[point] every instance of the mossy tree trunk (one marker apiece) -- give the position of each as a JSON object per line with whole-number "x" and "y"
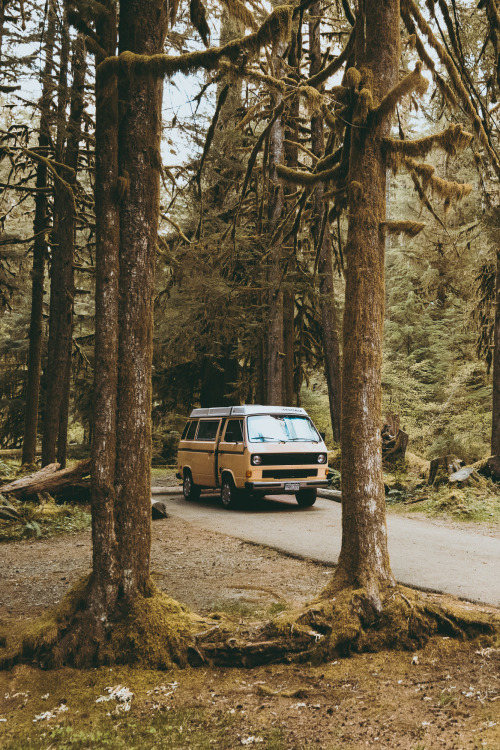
{"x": 322, "y": 238}
{"x": 276, "y": 205}
{"x": 127, "y": 201}
{"x": 40, "y": 228}
{"x": 364, "y": 559}
{"x": 105, "y": 573}
{"x": 291, "y": 160}
{"x": 495, "y": 415}
{"x": 62, "y": 287}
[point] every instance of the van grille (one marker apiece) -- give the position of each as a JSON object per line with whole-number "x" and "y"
{"x": 289, "y": 473}
{"x": 287, "y": 459}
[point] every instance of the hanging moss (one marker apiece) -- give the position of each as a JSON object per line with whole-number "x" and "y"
{"x": 241, "y": 13}
{"x": 413, "y": 82}
{"x": 313, "y": 99}
{"x": 410, "y": 8}
{"x": 276, "y": 27}
{"x": 364, "y": 106}
{"x": 452, "y": 140}
{"x": 298, "y": 177}
{"x": 408, "y": 228}
{"x": 329, "y": 117}
{"x": 352, "y": 78}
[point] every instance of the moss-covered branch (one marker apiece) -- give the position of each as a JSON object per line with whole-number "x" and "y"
{"x": 409, "y": 228}
{"x": 411, "y": 7}
{"x": 452, "y": 140}
{"x": 334, "y": 66}
{"x": 448, "y": 190}
{"x": 298, "y": 177}
{"x": 413, "y": 82}
{"x": 277, "y": 26}
{"x": 428, "y": 61}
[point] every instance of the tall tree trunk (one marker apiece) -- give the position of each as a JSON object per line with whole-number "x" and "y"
{"x": 495, "y": 417}
{"x": 274, "y": 336}
{"x": 142, "y": 31}
{"x": 364, "y": 558}
{"x": 323, "y": 242}
{"x": 62, "y": 288}
{"x": 292, "y": 161}
{"x": 39, "y": 253}
{"x": 105, "y": 573}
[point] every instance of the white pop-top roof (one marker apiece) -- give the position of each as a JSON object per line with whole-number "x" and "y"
{"x": 246, "y": 409}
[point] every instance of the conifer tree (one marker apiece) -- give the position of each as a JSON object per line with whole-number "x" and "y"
{"x": 40, "y": 248}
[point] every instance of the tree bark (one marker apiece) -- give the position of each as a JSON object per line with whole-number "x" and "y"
{"x": 104, "y": 556}
{"x": 495, "y": 415}
{"x": 39, "y": 255}
{"x": 274, "y": 336}
{"x": 292, "y": 161}
{"x": 62, "y": 288}
{"x": 322, "y": 234}
{"x": 142, "y": 31}
{"x": 364, "y": 558}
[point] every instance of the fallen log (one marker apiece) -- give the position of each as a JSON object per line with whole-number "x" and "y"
{"x": 62, "y": 484}
{"x": 489, "y": 468}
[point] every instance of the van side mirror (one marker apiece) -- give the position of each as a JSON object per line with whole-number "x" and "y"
{"x": 322, "y": 435}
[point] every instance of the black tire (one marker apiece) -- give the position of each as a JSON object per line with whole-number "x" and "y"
{"x": 306, "y": 498}
{"x": 190, "y": 490}
{"x": 229, "y": 495}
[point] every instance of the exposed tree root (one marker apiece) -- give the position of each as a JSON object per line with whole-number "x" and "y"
{"x": 158, "y": 632}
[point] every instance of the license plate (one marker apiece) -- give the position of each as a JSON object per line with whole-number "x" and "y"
{"x": 292, "y": 486}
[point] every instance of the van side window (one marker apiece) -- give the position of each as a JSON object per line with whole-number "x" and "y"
{"x": 234, "y": 431}
{"x": 191, "y": 432}
{"x": 208, "y": 430}
{"x": 185, "y": 430}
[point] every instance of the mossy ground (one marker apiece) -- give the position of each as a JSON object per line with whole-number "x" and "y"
{"x": 445, "y": 695}
{"x": 44, "y": 520}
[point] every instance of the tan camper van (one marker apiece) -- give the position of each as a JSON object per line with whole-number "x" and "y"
{"x": 252, "y": 450}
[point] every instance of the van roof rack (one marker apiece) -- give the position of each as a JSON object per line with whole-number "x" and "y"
{"x": 246, "y": 409}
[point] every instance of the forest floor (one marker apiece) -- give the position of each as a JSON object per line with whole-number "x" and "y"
{"x": 446, "y": 695}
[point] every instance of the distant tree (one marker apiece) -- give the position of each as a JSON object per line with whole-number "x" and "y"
{"x": 62, "y": 289}
{"x": 40, "y": 247}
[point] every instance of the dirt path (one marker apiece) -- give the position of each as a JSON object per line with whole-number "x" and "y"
{"x": 203, "y": 569}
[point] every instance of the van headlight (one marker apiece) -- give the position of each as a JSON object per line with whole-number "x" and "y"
{"x": 256, "y": 460}
{"x": 322, "y": 458}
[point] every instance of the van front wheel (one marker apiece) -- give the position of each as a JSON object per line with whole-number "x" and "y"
{"x": 306, "y": 498}
{"x": 228, "y": 493}
{"x": 190, "y": 490}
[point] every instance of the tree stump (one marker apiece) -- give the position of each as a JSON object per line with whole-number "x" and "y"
{"x": 441, "y": 468}
{"x": 394, "y": 439}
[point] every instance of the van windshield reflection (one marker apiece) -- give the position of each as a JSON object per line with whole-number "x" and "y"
{"x": 281, "y": 429}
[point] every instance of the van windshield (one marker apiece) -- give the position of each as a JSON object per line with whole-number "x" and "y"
{"x": 281, "y": 429}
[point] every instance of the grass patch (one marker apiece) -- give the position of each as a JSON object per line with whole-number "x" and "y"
{"x": 474, "y": 504}
{"x": 249, "y": 610}
{"x": 43, "y": 520}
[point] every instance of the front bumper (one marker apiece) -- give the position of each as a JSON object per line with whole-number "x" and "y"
{"x": 279, "y": 487}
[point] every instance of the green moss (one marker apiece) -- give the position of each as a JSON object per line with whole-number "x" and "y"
{"x": 341, "y": 623}
{"x": 157, "y": 632}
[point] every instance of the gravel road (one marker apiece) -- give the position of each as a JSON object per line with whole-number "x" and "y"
{"x": 427, "y": 555}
